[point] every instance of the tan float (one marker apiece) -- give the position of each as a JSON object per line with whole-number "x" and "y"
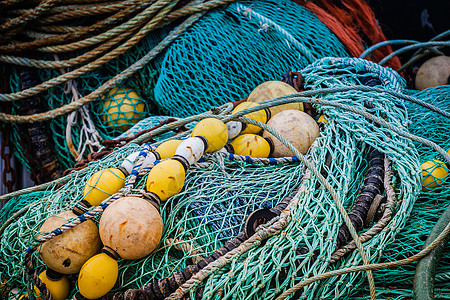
{"x": 434, "y": 72}
{"x": 132, "y": 227}
{"x": 295, "y": 126}
{"x": 66, "y": 253}
{"x": 274, "y": 89}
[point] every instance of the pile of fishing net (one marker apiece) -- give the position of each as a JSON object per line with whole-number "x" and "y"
{"x": 219, "y": 58}
{"x": 222, "y": 190}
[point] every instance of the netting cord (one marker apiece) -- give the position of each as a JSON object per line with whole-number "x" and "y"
{"x": 382, "y": 222}
{"x": 424, "y": 278}
{"x": 266, "y": 23}
{"x": 280, "y": 224}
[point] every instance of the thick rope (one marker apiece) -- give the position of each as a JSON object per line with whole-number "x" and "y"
{"x": 31, "y": 15}
{"x": 381, "y": 224}
{"x": 32, "y": 45}
{"x": 102, "y": 60}
{"x": 118, "y": 34}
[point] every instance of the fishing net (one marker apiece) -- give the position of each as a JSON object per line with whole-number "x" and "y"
{"x": 222, "y": 57}
{"x": 220, "y": 192}
{"x": 429, "y": 206}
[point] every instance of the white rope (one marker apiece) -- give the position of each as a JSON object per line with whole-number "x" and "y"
{"x": 89, "y": 136}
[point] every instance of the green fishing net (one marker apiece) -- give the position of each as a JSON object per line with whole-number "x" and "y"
{"x": 222, "y": 57}
{"x": 220, "y": 192}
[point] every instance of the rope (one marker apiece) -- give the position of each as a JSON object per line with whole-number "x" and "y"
{"x": 394, "y": 264}
{"x": 31, "y": 15}
{"x": 411, "y": 47}
{"x": 417, "y": 55}
{"x": 100, "y": 61}
{"x": 381, "y": 224}
{"x": 73, "y": 35}
{"x": 393, "y": 42}
{"x": 267, "y": 23}
{"x": 118, "y": 34}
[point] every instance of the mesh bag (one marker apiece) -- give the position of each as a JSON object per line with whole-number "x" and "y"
{"x": 220, "y": 192}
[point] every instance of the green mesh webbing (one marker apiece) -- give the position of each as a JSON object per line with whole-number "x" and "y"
{"x": 219, "y": 193}
{"x": 221, "y": 58}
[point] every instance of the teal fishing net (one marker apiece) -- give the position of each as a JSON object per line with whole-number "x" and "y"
{"x": 219, "y": 193}
{"x": 222, "y": 57}
{"x": 225, "y": 55}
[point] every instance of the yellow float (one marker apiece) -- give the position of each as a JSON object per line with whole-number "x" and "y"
{"x": 122, "y": 108}
{"x": 433, "y": 174}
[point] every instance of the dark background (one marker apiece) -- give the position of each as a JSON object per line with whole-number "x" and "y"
{"x": 400, "y": 19}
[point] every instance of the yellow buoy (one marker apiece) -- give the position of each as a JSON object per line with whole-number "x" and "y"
{"x": 122, "y": 108}
{"x": 132, "y": 227}
{"x": 434, "y": 72}
{"x": 260, "y": 115}
{"x": 98, "y": 276}
{"x": 66, "y": 253}
{"x": 251, "y": 145}
{"x": 433, "y": 174}
{"x": 58, "y": 287}
{"x": 103, "y": 184}
{"x": 166, "y": 179}
{"x": 297, "y": 127}
{"x": 168, "y": 148}
{"x": 274, "y": 89}
{"x": 215, "y": 132}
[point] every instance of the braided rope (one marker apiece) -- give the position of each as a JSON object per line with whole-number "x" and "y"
{"x": 381, "y": 224}
{"x": 249, "y": 13}
{"x": 128, "y": 26}
{"x": 125, "y": 29}
{"x": 260, "y": 160}
{"x": 43, "y": 7}
{"x": 72, "y": 35}
{"x": 78, "y": 11}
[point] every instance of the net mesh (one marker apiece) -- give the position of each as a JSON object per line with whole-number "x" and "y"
{"x": 237, "y": 49}
{"x": 219, "y": 193}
